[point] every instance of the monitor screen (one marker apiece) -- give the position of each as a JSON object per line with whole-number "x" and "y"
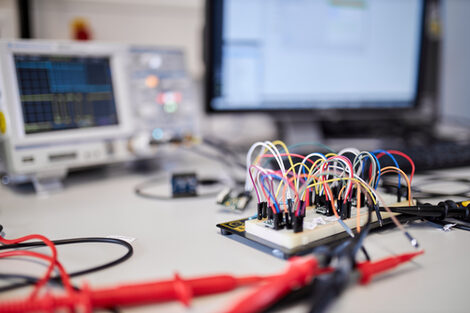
{"x": 313, "y": 54}
{"x": 60, "y": 92}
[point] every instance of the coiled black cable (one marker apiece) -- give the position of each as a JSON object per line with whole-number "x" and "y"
{"x": 57, "y": 279}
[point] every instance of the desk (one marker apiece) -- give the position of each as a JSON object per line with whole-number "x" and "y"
{"x": 181, "y": 236}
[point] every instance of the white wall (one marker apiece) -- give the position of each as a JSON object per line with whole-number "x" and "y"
{"x": 179, "y": 23}
{"x": 8, "y": 19}
{"x": 175, "y": 23}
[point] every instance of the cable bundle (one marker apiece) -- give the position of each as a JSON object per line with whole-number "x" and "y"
{"x": 286, "y": 183}
{"x": 16, "y": 248}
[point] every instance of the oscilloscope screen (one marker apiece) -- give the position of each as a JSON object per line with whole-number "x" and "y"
{"x": 65, "y": 92}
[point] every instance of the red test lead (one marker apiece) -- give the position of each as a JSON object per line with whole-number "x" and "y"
{"x": 176, "y": 289}
{"x": 299, "y": 272}
{"x": 369, "y": 269}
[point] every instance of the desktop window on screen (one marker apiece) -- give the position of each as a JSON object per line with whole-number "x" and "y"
{"x": 304, "y": 54}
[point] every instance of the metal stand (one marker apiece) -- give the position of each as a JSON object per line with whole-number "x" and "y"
{"x": 47, "y": 183}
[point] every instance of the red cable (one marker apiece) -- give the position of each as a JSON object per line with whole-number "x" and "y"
{"x": 396, "y": 152}
{"x": 65, "y": 277}
{"x": 407, "y": 158}
{"x": 299, "y": 272}
{"x": 46, "y": 241}
{"x": 176, "y": 289}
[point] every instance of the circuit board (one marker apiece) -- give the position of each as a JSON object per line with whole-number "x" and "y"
{"x": 304, "y": 201}
{"x": 318, "y": 229}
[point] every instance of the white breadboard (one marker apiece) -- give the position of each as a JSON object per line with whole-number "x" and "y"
{"x": 315, "y": 227}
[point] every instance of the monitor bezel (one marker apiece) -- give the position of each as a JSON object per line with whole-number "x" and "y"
{"x": 313, "y": 113}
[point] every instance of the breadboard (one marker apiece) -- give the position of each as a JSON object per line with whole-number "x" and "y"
{"x": 318, "y": 229}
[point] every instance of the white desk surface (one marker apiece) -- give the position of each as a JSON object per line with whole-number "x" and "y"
{"x": 180, "y": 235}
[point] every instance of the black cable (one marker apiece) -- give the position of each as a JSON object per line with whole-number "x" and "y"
{"x": 139, "y": 190}
{"x": 57, "y": 278}
{"x": 32, "y": 280}
{"x": 225, "y": 150}
{"x": 462, "y": 227}
{"x": 322, "y": 290}
{"x": 223, "y": 159}
{"x": 458, "y": 224}
{"x": 419, "y": 191}
{"x": 224, "y": 155}
{"x": 328, "y": 287}
{"x": 326, "y": 253}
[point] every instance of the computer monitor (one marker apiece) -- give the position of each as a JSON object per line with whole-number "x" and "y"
{"x": 315, "y": 57}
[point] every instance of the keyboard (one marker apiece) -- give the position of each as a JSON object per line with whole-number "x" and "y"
{"x": 438, "y": 155}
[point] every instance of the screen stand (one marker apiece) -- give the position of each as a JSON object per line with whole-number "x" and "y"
{"x": 47, "y": 183}
{"x": 294, "y": 131}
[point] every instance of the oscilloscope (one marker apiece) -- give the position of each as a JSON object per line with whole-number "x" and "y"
{"x": 66, "y": 105}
